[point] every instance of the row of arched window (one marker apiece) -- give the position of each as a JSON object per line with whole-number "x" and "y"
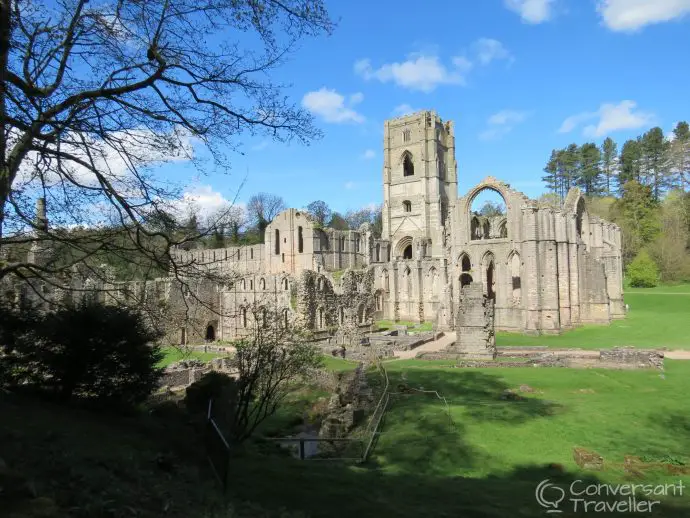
{"x": 284, "y": 284}
{"x": 320, "y": 320}
{"x": 262, "y": 317}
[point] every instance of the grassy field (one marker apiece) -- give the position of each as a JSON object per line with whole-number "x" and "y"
{"x": 489, "y": 459}
{"x": 658, "y": 318}
{"x": 173, "y": 355}
{"x": 384, "y": 325}
{"x": 486, "y": 462}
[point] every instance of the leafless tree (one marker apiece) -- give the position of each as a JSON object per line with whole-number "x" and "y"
{"x": 275, "y": 353}
{"x": 262, "y": 208}
{"x": 95, "y": 95}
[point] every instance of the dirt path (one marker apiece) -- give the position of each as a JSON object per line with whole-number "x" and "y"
{"x": 436, "y": 345}
{"x": 677, "y": 355}
{"x": 449, "y": 338}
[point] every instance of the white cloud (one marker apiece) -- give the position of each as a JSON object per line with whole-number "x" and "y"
{"x": 417, "y": 72}
{"x": 502, "y": 123}
{"x": 630, "y": 15}
{"x": 330, "y": 106}
{"x": 403, "y": 109}
{"x": 426, "y": 71}
{"x": 462, "y": 63}
{"x": 369, "y": 154}
{"x": 119, "y": 160}
{"x": 489, "y": 50}
{"x": 611, "y": 118}
{"x": 532, "y": 11}
{"x": 350, "y": 185}
{"x": 203, "y": 201}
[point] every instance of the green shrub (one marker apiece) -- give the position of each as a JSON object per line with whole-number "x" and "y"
{"x": 213, "y": 385}
{"x": 642, "y": 271}
{"x": 90, "y": 351}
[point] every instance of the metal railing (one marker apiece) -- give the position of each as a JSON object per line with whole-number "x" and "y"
{"x": 217, "y": 448}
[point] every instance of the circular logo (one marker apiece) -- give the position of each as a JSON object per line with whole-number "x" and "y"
{"x": 554, "y": 496}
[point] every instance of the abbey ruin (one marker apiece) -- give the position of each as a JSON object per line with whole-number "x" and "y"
{"x": 545, "y": 269}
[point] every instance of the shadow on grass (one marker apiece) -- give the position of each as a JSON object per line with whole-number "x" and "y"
{"x": 421, "y": 434}
{"x": 322, "y": 490}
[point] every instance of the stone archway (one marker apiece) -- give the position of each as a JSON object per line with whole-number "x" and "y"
{"x": 210, "y": 333}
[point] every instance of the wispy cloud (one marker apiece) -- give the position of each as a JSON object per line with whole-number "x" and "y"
{"x": 489, "y": 49}
{"x": 331, "y": 107}
{"x": 350, "y": 185}
{"x": 403, "y": 109}
{"x": 418, "y": 72}
{"x": 608, "y": 119}
{"x": 532, "y": 11}
{"x": 502, "y": 123}
{"x": 426, "y": 71}
{"x": 369, "y": 154}
{"x": 631, "y": 15}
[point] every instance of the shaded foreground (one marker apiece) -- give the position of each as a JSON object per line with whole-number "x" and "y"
{"x": 484, "y": 459}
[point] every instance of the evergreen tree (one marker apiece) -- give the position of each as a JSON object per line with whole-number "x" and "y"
{"x": 588, "y": 176}
{"x": 631, "y": 154}
{"x": 609, "y": 164}
{"x": 570, "y": 165}
{"x": 679, "y": 156}
{"x": 551, "y": 178}
{"x": 655, "y": 170}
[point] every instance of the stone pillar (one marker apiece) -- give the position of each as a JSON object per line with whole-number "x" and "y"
{"x": 563, "y": 272}
{"x": 474, "y": 324}
{"x": 532, "y": 267}
{"x": 574, "y": 271}
{"x": 550, "y": 314}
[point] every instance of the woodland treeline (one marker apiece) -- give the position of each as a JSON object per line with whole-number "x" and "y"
{"x": 643, "y": 186}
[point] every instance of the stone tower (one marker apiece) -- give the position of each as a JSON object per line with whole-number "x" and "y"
{"x": 419, "y": 184}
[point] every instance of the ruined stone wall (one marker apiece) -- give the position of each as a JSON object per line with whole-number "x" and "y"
{"x": 475, "y": 324}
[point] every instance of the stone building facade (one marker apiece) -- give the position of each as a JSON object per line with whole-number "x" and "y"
{"x": 544, "y": 269}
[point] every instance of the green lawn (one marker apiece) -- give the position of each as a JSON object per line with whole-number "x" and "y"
{"x": 659, "y": 317}
{"x": 173, "y": 355}
{"x": 338, "y": 364}
{"x": 489, "y": 460}
{"x": 383, "y": 325}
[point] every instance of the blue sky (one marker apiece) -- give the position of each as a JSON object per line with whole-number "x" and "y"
{"x": 518, "y": 77}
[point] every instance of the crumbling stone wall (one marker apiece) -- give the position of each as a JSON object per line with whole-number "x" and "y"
{"x": 629, "y": 356}
{"x": 475, "y": 324}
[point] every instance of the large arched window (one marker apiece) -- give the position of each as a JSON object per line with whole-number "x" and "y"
{"x": 300, "y": 240}
{"x": 466, "y": 268}
{"x": 277, "y": 242}
{"x": 516, "y": 281}
{"x": 407, "y": 206}
{"x": 408, "y": 164}
{"x": 362, "y": 314}
{"x": 489, "y": 276}
{"x": 488, "y": 215}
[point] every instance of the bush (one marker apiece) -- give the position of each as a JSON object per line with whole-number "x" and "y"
{"x": 213, "y": 385}
{"x": 642, "y": 271}
{"x": 90, "y": 351}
